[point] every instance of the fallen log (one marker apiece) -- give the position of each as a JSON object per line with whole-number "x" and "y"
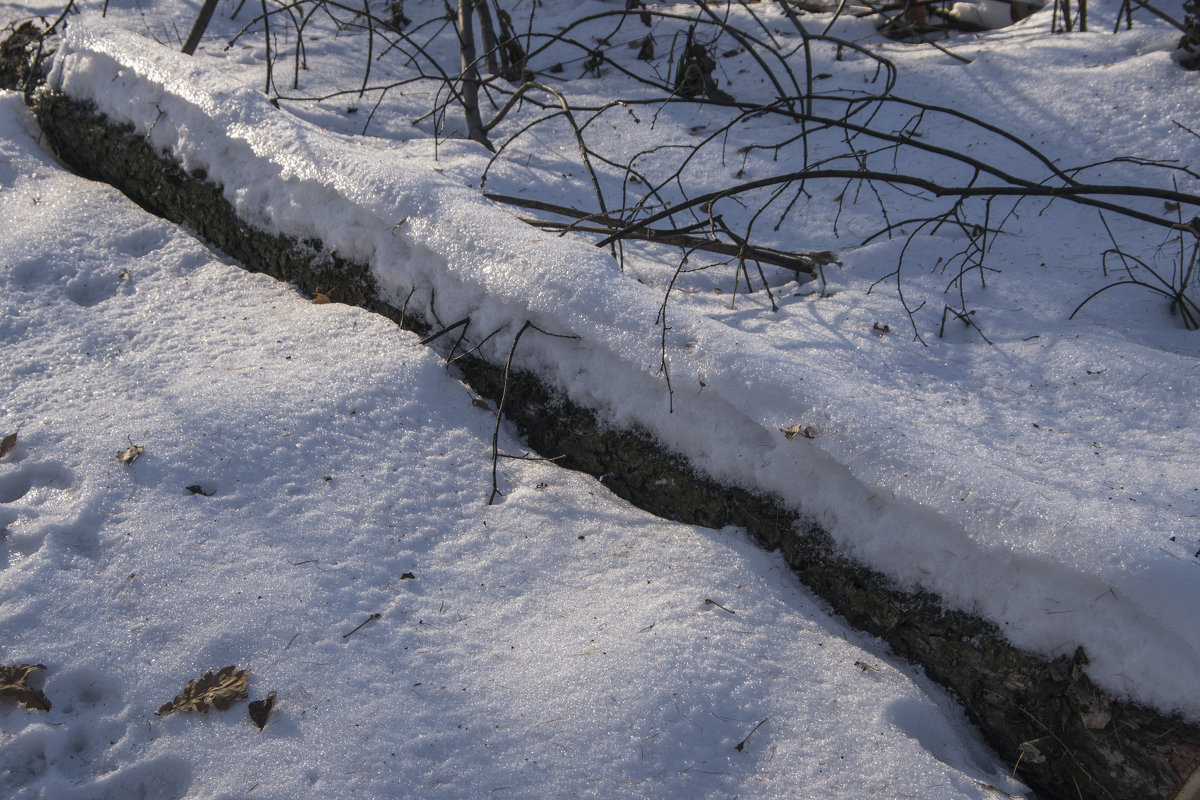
{"x": 1065, "y": 736}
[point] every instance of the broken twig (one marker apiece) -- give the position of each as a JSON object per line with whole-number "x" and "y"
{"x": 362, "y": 624}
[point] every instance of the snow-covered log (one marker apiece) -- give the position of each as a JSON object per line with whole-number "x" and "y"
{"x": 1064, "y": 734}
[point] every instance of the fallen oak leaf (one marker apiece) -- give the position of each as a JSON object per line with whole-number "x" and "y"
{"x": 222, "y": 690}
{"x": 320, "y": 299}
{"x": 7, "y": 443}
{"x": 13, "y": 684}
{"x": 808, "y": 431}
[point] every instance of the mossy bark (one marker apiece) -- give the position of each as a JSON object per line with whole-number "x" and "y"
{"x": 1066, "y": 737}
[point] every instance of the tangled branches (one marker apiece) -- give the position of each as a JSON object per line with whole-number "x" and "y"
{"x": 765, "y": 91}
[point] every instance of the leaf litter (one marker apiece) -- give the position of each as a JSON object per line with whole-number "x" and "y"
{"x": 221, "y": 690}
{"x": 14, "y": 684}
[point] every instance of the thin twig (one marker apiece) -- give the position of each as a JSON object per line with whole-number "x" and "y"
{"x": 500, "y": 412}
{"x": 742, "y": 744}
{"x": 445, "y": 330}
{"x": 371, "y": 618}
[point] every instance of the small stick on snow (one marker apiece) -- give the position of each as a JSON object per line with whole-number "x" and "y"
{"x": 371, "y": 618}
{"x": 742, "y": 744}
{"x": 708, "y": 602}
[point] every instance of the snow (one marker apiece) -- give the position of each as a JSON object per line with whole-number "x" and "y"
{"x": 557, "y": 643}
{"x": 1048, "y": 480}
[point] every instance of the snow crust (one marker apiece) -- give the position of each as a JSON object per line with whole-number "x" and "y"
{"x": 1048, "y": 482}
{"x": 554, "y": 645}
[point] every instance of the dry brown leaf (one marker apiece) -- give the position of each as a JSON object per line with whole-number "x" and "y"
{"x": 321, "y": 299}
{"x": 916, "y": 13}
{"x": 12, "y": 684}
{"x": 808, "y": 432}
{"x": 824, "y": 258}
{"x": 222, "y": 690}
{"x": 130, "y": 454}
{"x": 7, "y": 443}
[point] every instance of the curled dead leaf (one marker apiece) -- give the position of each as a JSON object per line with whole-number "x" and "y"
{"x": 321, "y": 299}
{"x": 260, "y": 710}
{"x": 13, "y": 683}
{"x": 7, "y": 443}
{"x": 808, "y": 431}
{"x": 1031, "y": 753}
{"x": 221, "y": 690}
{"x": 130, "y": 454}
